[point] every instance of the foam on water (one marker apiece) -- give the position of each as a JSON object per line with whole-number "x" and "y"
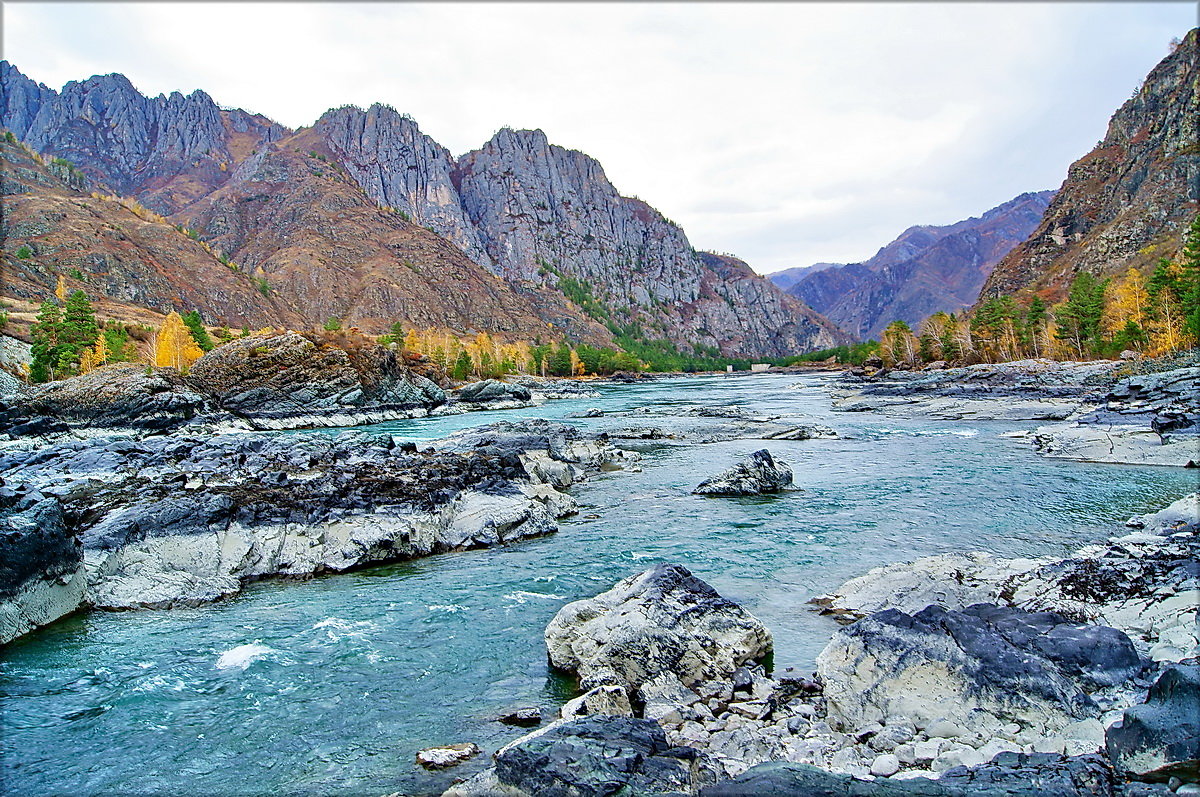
{"x": 242, "y": 656}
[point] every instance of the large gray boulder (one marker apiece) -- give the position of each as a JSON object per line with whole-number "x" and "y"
{"x": 1161, "y": 737}
{"x": 491, "y": 391}
{"x": 664, "y": 620}
{"x": 759, "y": 473}
{"x": 981, "y": 669}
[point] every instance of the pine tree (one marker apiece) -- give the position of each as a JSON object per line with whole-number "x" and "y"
{"x": 1189, "y": 293}
{"x": 174, "y": 346}
{"x": 1079, "y": 317}
{"x": 45, "y": 333}
{"x": 462, "y": 366}
{"x": 195, "y": 325}
{"x": 79, "y": 328}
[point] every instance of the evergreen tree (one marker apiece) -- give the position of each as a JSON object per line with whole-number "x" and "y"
{"x": 44, "y": 334}
{"x": 559, "y": 361}
{"x": 1189, "y": 293}
{"x": 1079, "y": 316}
{"x": 195, "y": 325}
{"x": 462, "y": 366}
{"x": 79, "y": 329}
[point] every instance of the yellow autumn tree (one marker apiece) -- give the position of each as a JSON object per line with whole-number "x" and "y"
{"x": 1168, "y": 330}
{"x": 1126, "y": 301}
{"x": 174, "y": 346}
{"x": 94, "y": 357}
{"x": 60, "y": 290}
{"x": 577, "y": 366}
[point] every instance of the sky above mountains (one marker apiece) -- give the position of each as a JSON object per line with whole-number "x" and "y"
{"x": 787, "y": 134}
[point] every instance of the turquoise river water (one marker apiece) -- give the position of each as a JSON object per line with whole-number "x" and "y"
{"x": 355, "y": 673}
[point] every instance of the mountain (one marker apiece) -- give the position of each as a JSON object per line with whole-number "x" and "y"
{"x": 364, "y": 218}
{"x": 1128, "y": 201}
{"x": 790, "y": 276}
{"x": 118, "y": 252}
{"x": 925, "y": 270}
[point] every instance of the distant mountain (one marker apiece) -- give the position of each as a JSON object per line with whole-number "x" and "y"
{"x": 790, "y": 276}
{"x": 1128, "y": 201}
{"x": 925, "y": 270}
{"x": 365, "y": 218}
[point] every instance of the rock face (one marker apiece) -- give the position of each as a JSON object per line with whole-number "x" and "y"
{"x": 547, "y": 214}
{"x": 1128, "y": 201}
{"x": 979, "y": 668}
{"x": 1161, "y": 737}
{"x": 926, "y": 270}
{"x": 41, "y": 562}
{"x": 289, "y": 380}
{"x": 664, "y": 620}
{"x": 757, "y": 474}
{"x": 167, "y": 151}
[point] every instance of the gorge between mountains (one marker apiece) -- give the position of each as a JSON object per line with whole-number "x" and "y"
{"x": 506, "y": 489}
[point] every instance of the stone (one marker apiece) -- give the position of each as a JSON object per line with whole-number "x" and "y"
{"x": 960, "y": 667}
{"x": 600, "y": 755}
{"x": 664, "y": 620}
{"x": 492, "y": 390}
{"x": 885, "y": 765}
{"x": 1161, "y": 737}
{"x": 448, "y": 756}
{"x": 522, "y": 717}
{"x": 757, "y": 474}
{"x": 607, "y": 700}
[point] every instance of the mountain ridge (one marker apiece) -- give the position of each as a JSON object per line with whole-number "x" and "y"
{"x": 542, "y": 218}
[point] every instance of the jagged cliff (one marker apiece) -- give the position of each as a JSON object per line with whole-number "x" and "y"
{"x": 1128, "y": 201}
{"x": 573, "y": 256}
{"x": 165, "y": 151}
{"x": 926, "y": 269}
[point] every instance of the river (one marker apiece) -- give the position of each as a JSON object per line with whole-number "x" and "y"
{"x": 334, "y": 683}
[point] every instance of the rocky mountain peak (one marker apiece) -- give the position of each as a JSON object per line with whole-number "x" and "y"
{"x": 1127, "y": 202}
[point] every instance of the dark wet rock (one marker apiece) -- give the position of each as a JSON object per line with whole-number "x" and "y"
{"x": 492, "y": 390}
{"x": 1161, "y": 737}
{"x": 288, "y": 380}
{"x": 597, "y": 756}
{"x": 977, "y": 668}
{"x": 1007, "y": 775}
{"x": 522, "y": 717}
{"x": 757, "y": 474}
{"x": 41, "y": 562}
{"x": 664, "y": 620}
{"x": 120, "y": 396}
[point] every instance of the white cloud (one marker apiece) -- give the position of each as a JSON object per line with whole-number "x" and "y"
{"x": 787, "y": 133}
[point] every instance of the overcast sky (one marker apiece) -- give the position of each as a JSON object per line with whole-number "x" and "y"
{"x": 785, "y": 133}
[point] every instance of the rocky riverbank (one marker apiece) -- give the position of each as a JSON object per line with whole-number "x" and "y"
{"x": 955, "y": 675}
{"x": 178, "y": 520}
{"x": 1103, "y": 413}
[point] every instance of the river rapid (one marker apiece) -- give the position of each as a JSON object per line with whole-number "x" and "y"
{"x": 331, "y": 685}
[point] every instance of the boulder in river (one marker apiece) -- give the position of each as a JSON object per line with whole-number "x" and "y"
{"x": 448, "y": 756}
{"x": 757, "y": 474}
{"x": 664, "y": 620}
{"x": 493, "y": 391}
{"x": 978, "y": 670}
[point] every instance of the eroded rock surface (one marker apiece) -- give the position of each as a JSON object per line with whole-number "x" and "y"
{"x": 757, "y": 474}
{"x": 664, "y": 620}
